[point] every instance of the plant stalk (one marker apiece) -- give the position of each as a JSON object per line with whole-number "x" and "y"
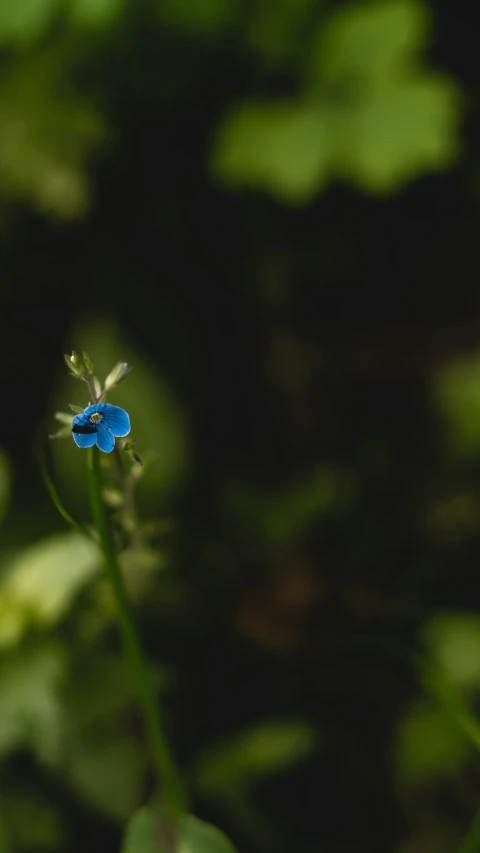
{"x": 170, "y": 785}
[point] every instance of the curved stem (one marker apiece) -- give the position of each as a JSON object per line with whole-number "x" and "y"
{"x": 168, "y": 778}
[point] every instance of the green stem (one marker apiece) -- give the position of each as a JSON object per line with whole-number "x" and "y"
{"x": 168, "y": 778}
{"x": 55, "y": 496}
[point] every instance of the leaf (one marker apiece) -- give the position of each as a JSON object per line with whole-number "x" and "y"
{"x": 145, "y": 834}
{"x": 281, "y": 147}
{"x": 108, "y": 768}
{"x": 285, "y": 514}
{"x": 265, "y": 749}
{"x": 42, "y": 581}
{"x": 77, "y": 410}
{"x": 368, "y": 112}
{"x": 367, "y": 41}
{"x": 65, "y": 417}
{"x": 399, "y": 130}
{"x": 428, "y": 744}
{"x": 454, "y": 642}
{"x": 48, "y": 135}
{"x": 95, "y": 14}
{"x": 25, "y": 20}
{"x": 457, "y": 391}
{"x": 31, "y": 710}
{"x": 101, "y": 758}
{"x": 31, "y": 822}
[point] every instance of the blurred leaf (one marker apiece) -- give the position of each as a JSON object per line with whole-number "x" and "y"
{"x": 428, "y": 744}
{"x": 4, "y": 484}
{"x": 107, "y": 766}
{"x": 450, "y": 700}
{"x": 404, "y": 127}
{"x": 455, "y": 518}
{"x": 280, "y": 147}
{"x": 94, "y": 14}
{"x": 283, "y": 516}
{"x": 30, "y": 706}
{"x": 101, "y": 758}
{"x": 65, "y": 417}
{"x": 47, "y": 136}
{"x": 98, "y": 689}
{"x": 457, "y": 389}
{"x": 366, "y": 41}
{"x": 32, "y": 824}
{"x": 200, "y": 17}
{"x": 41, "y": 582}
{"x": 368, "y": 112}
{"x": 25, "y": 20}
{"x": 454, "y": 642}
{"x": 145, "y": 834}
{"x": 264, "y": 750}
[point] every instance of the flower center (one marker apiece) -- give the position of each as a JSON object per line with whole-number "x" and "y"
{"x": 95, "y": 418}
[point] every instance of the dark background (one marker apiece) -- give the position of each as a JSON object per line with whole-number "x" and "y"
{"x": 320, "y": 543}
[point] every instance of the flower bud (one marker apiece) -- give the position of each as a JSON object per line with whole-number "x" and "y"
{"x": 116, "y": 375}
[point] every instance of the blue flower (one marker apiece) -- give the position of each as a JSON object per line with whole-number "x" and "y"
{"x": 99, "y": 424}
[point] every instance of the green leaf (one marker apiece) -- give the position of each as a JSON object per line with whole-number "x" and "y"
{"x": 145, "y": 833}
{"x": 77, "y": 410}
{"x": 400, "y": 129}
{"x": 31, "y": 710}
{"x": 65, "y": 417}
{"x": 88, "y": 363}
{"x": 48, "y": 135}
{"x": 281, "y": 147}
{"x": 95, "y": 14}
{"x": 368, "y": 41}
{"x": 25, "y": 20}
{"x": 64, "y": 432}
{"x": 457, "y": 391}
{"x": 454, "y": 642}
{"x": 428, "y": 744}
{"x": 30, "y": 822}
{"x": 117, "y": 375}
{"x": 108, "y": 768}
{"x": 42, "y": 581}
{"x": 368, "y": 113}
{"x": 285, "y": 514}
{"x": 265, "y": 749}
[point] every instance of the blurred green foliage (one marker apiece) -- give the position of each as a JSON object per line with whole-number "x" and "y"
{"x": 368, "y": 111}
{"x": 36, "y": 590}
{"x": 284, "y": 515}
{"x": 309, "y": 94}
{"x": 145, "y": 835}
{"x": 456, "y": 391}
{"x": 367, "y": 108}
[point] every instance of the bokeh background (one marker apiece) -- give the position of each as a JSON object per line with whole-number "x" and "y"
{"x": 271, "y": 208}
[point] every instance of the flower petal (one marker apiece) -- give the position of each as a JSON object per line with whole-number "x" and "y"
{"x": 90, "y": 410}
{"x": 83, "y": 439}
{"x": 104, "y": 436}
{"x": 115, "y": 418}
